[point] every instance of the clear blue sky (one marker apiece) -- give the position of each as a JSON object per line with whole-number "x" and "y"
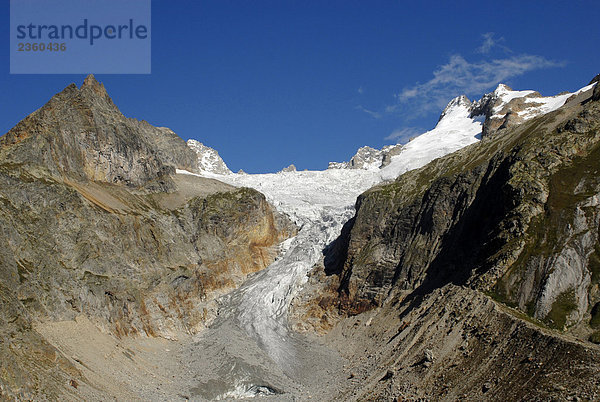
{"x": 269, "y": 83}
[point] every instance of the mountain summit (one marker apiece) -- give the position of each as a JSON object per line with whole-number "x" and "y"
{"x": 81, "y": 133}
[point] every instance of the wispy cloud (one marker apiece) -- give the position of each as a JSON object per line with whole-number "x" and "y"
{"x": 372, "y": 113}
{"x": 360, "y": 90}
{"x": 459, "y": 76}
{"x": 490, "y": 41}
{"x": 402, "y": 135}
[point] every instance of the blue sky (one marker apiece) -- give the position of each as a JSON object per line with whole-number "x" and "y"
{"x": 269, "y": 83}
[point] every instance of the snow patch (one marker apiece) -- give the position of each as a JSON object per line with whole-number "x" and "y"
{"x": 548, "y": 104}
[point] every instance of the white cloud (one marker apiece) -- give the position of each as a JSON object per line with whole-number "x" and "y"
{"x": 360, "y": 90}
{"x": 488, "y": 43}
{"x": 403, "y": 135}
{"x": 459, "y": 76}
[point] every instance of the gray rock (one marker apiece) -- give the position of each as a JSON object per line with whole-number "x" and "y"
{"x": 290, "y": 168}
{"x": 81, "y": 134}
{"x": 208, "y": 158}
{"x": 428, "y": 356}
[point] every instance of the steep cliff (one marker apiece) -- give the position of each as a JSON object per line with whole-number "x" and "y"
{"x": 88, "y": 230}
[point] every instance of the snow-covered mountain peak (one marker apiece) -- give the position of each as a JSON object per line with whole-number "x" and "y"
{"x": 505, "y": 92}
{"x": 460, "y": 124}
{"x": 368, "y": 158}
{"x": 456, "y": 128}
{"x": 458, "y": 103}
{"x": 502, "y": 88}
{"x": 208, "y": 158}
{"x": 458, "y": 107}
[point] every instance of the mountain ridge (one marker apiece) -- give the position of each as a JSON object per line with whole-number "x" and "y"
{"x": 497, "y": 110}
{"x": 98, "y": 228}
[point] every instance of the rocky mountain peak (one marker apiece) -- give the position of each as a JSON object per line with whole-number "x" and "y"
{"x": 459, "y": 101}
{"x": 208, "y": 158}
{"x": 80, "y": 133}
{"x": 93, "y": 84}
{"x": 369, "y": 158}
{"x": 95, "y": 95}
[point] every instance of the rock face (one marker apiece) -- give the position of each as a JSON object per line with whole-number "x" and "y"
{"x": 515, "y": 217}
{"x": 86, "y": 231}
{"x": 208, "y": 158}
{"x": 80, "y": 133}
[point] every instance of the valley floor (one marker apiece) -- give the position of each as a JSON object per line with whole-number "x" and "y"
{"x": 465, "y": 348}
{"x": 222, "y": 363}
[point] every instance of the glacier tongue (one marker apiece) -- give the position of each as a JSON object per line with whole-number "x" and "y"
{"x": 265, "y": 298}
{"x": 320, "y": 202}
